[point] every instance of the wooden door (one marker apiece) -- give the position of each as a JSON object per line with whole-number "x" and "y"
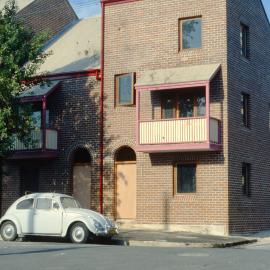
{"x": 126, "y": 190}
{"x": 82, "y": 184}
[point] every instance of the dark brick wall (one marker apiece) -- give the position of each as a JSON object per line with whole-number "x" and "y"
{"x": 249, "y": 145}
{"x": 47, "y": 15}
{"x": 74, "y": 109}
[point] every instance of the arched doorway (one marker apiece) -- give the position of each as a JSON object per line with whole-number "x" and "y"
{"x": 125, "y": 175}
{"x": 82, "y": 177}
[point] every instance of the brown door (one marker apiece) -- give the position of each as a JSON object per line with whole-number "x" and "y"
{"x": 126, "y": 190}
{"x": 82, "y": 184}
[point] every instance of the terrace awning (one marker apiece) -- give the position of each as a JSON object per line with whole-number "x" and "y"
{"x": 38, "y": 92}
{"x": 187, "y": 74}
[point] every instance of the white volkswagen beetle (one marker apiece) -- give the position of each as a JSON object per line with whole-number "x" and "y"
{"x": 51, "y": 214}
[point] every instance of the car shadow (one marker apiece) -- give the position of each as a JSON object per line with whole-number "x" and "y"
{"x": 97, "y": 241}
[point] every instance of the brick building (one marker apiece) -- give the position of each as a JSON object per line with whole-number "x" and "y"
{"x": 185, "y": 120}
{"x": 44, "y": 15}
{"x": 198, "y": 120}
{"x": 66, "y": 139}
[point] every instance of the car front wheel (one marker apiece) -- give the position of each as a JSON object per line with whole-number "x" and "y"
{"x": 8, "y": 231}
{"x": 79, "y": 233}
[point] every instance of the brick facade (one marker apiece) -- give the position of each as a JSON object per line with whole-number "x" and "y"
{"x": 142, "y": 36}
{"x": 249, "y": 145}
{"x": 74, "y": 112}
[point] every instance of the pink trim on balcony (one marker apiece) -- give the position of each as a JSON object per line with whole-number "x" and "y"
{"x": 165, "y": 87}
{"x": 185, "y": 147}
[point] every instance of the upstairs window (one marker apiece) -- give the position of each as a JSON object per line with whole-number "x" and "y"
{"x": 246, "y": 179}
{"x": 189, "y": 104}
{"x": 244, "y": 40}
{"x": 124, "y": 85}
{"x": 245, "y": 110}
{"x": 190, "y": 33}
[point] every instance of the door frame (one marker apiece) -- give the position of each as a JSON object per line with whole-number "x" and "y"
{"x": 115, "y": 185}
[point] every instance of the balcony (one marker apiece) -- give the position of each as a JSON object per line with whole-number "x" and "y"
{"x": 37, "y": 148}
{"x": 186, "y": 134}
{"x": 182, "y": 97}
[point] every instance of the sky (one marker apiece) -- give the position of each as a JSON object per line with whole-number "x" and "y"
{"x": 86, "y": 8}
{"x": 267, "y": 7}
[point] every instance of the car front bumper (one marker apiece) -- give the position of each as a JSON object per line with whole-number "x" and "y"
{"x": 108, "y": 232}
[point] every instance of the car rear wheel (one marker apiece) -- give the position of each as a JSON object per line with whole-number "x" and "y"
{"x": 79, "y": 233}
{"x": 8, "y": 231}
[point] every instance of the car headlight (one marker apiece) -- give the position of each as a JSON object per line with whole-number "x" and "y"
{"x": 110, "y": 222}
{"x": 98, "y": 225}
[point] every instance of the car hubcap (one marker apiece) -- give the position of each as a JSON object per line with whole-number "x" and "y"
{"x": 9, "y": 231}
{"x": 78, "y": 234}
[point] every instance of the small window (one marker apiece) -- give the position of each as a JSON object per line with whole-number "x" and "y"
{"x": 185, "y": 178}
{"x": 26, "y": 204}
{"x": 244, "y": 40}
{"x": 191, "y": 33}
{"x": 245, "y": 110}
{"x": 125, "y": 89}
{"x": 44, "y": 203}
{"x": 246, "y": 179}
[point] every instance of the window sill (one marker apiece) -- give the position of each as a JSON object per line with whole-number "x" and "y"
{"x": 189, "y": 50}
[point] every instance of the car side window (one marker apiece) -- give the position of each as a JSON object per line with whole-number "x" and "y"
{"x": 25, "y": 204}
{"x": 44, "y": 204}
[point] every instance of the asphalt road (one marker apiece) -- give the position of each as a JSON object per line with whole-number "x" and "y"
{"x": 58, "y": 256}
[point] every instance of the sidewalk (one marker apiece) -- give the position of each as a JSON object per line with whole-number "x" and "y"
{"x": 149, "y": 238}
{"x": 179, "y": 239}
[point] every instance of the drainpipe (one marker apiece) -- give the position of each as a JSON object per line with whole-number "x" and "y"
{"x": 102, "y": 111}
{"x": 43, "y": 126}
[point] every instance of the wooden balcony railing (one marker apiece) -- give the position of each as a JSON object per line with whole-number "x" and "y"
{"x": 182, "y": 134}
{"x": 37, "y": 141}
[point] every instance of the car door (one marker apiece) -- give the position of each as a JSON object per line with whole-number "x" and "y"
{"x": 47, "y": 219}
{"x": 25, "y": 215}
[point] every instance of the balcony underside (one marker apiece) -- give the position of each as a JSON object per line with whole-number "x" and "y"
{"x": 169, "y": 148}
{"x": 33, "y": 154}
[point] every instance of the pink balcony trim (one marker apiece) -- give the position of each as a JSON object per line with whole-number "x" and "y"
{"x": 207, "y": 95}
{"x": 183, "y": 147}
{"x": 164, "y": 87}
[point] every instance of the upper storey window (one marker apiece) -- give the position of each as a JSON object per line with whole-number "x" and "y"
{"x": 190, "y": 33}
{"x": 124, "y": 85}
{"x": 244, "y": 40}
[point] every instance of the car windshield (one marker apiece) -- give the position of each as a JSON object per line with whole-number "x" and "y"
{"x": 69, "y": 203}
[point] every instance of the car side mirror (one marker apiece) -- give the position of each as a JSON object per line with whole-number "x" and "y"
{"x": 56, "y": 206}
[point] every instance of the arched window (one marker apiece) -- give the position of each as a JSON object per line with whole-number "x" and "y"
{"x": 125, "y": 153}
{"x": 81, "y": 155}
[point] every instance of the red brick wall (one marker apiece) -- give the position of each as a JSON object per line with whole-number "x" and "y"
{"x": 143, "y": 35}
